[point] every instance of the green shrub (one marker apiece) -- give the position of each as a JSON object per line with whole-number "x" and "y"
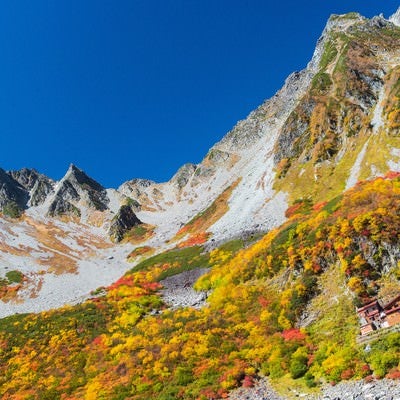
{"x": 14, "y": 276}
{"x": 329, "y": 54}
{"x": 321, "y": 83}
{"x": 310, "y": 380}
{"x": 12, "y": 210}
{"x": 298, "y": 367}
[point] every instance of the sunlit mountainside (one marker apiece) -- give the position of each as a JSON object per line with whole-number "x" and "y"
{"x": 252, "y": 263}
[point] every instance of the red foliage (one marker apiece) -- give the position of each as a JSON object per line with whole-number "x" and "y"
{"x": 209, "y": 394}
{"x": 319, "y": 206}
{"x": 263, "y": 301}
{"x": 293, "y": 334}
{"x": 311, "y": 358}
{"x": 392, "y": 175}
{"x": 292, "y": 210}
{"x": 317, "y": 268}
{"x": 393, "y": 374}
{"x": 98, "y": 341}
{"x": 365, "y": 232}
{"x": 194, "y": 240}
{"x": 365, "y": 370}
{"x": 248, "y": 381}
{"x": 123, "y": 281}
{"x": 222, "y": 394}
{"x": 151, "y": 286}
{"x": 347, "y": 374}
{"x": 369, "y": 378}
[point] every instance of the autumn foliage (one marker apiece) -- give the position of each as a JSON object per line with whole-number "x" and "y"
{"x": 129, "y": 345}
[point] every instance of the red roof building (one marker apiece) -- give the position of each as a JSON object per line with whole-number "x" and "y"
{"x": 374, "y": 316}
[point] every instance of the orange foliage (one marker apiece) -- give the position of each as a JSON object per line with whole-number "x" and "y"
{"x": 194, "y": 240}
{"x": 293, "y": 334}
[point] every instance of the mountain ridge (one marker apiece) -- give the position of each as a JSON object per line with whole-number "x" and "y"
{"x": 312, "y": 139}
{"x": 289, "y": 223}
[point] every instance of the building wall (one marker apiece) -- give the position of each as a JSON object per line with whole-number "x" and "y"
{"x": 366, "y": 329}
{"x": 393, "y": 319}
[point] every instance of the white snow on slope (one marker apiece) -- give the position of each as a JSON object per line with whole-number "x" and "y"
{"x": 59, "y": 290}
{"x": 395, "y": 18}
{"x": 45, "y": 288}
{"x": 377, "y": 120}
{"x": 394, "y": 164}
{"x": 355, "y": 169}
{"x": 377, "y": 123}
{"x": 254, "y": 204}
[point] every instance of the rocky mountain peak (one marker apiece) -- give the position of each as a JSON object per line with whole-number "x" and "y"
{"x": 76, "y": 175}
{"x": 183, "y": 175}
{"x": 25, "y": 177}
{"x": 11, "y": 192}
{"x": 77, "y": 189}
{"x": 38, "y": 185}
{"x": 395, "y": 18}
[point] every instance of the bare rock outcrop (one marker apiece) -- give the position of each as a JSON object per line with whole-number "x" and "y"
{"x": 123, "y": 221}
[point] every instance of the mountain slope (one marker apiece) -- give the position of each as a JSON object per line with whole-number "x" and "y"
{"x": 284, "y": 306}
{"x": 281, "y": 303}
{"x": 332, "y": 124}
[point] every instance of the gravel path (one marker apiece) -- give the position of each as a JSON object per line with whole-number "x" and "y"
{"x": 261, "y": 391}
{"x": 178, "y": 289}
{"x": 384, "y": 389}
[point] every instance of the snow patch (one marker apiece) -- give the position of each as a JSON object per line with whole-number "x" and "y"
{"x": 114, "y": 200}
{"x": 355, "y": 170}
{"x": 377, "y": 120}
{"x": 395, "y": 18}
{"x": 58, "y": 290}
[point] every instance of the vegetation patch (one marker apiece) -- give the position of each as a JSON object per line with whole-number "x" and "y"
{"x": 140, "y": 251}
{"x": 195, "y": 239}
{"x": 193, "y": 257}
{"x": 14, "y": 276}
{"x": 139, "y": 234}
{"x": 282, "y": 307}
{"x": 329, "y": 55}
{"x": 202, "y": 221}
{"x": 321, "y": 83}
{"x": 12, "y": 210}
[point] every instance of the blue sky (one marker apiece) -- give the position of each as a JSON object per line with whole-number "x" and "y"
{"x": 134, "y": 88}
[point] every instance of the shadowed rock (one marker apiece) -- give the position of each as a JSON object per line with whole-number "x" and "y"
{"x": 77, "y": 188}
{"x": 38, "y": 185}
{"x": 124, "y": 221}
{"x": 11, "y": 192}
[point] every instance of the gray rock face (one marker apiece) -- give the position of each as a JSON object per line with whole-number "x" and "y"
{"x": 182, "y": 177}
{"x": 11, "y": 191}
{"x": 77, "y": 187}
{"x": 38, "y": 185}
{"x": 178, "y": 289}
{"x": 296, "y": 127}
{"x": 123, "y": 221}
{"x": 61, "y": 206}
{"x": 265, "y": 117}
{"x": 395, "y": 18}
{"x": 135, "y": 187}
{"x": 359, "y": 82}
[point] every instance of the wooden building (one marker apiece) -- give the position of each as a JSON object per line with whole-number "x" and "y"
{"x": 392, "y": 312}
{"x": 375, "y": 316}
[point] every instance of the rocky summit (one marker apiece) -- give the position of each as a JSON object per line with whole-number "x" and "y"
{"x": 246, "y": 270}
